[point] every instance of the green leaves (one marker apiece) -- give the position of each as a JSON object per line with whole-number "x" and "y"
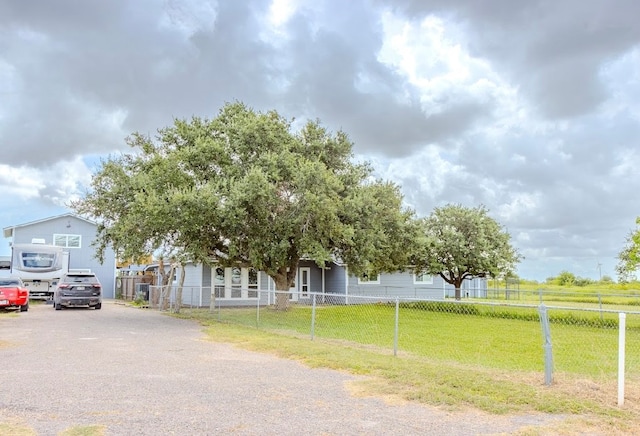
{"x": 629, "y": 256}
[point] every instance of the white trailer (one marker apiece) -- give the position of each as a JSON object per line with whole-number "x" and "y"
{"x": 40, "y": 267}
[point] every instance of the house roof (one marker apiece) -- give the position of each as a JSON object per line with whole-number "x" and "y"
{"x": 8, "y": 231}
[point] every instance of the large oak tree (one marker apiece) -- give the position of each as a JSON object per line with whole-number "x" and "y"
{"x": 461, "y": 243}
{"x": 245, "y": 188}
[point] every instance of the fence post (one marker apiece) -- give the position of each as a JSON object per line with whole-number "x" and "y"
{"x": 313, "y": 316}
{"x": 548, "y": 351}
{"x": 258, "y": 311}
{"x": 395, "y": 332}
{"x": 621, "y": 356}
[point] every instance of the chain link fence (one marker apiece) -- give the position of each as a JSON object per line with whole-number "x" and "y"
{"x": 595, "y": 299}
{"x": 559, "y": 343}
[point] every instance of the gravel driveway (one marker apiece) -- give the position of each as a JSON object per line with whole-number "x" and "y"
{"x": 138, "y": 372}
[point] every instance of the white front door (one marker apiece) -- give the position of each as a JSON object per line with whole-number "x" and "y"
{"x": 301, "y": 285}
{"x": 304, "y": 281}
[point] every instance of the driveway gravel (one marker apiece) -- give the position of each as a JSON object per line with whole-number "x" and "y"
{"x": 139, "y": 372}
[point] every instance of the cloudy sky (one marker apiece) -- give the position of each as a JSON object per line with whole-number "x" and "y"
{"x": 531, "y": 108}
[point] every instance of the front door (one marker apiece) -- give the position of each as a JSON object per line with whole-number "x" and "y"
{"x": 301, "y": 285}
{"x": 304, "y": 281}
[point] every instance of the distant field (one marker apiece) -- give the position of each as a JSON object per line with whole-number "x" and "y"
{"x": 611, "y": 296}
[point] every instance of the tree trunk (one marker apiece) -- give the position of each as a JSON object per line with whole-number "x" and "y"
{"x": 176, "y": 309}
{"x": 458, "y": 285}
{"x": 165, "y": 283}
{"x": 282, "y": 291}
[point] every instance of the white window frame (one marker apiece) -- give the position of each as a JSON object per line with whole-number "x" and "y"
{"x": 67, "y": 237}
{"x": 366, "y": 281}
{"x": 418, "y": 279}
{"x": 252, "y": 288}
{"x": 242, "y": 289}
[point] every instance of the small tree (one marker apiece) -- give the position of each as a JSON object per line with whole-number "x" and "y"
{"x": 462, "y": 243}
{"x": 566, "y": 278}
{"x": 629, "y": 257}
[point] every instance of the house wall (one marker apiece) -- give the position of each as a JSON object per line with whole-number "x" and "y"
{"x": 200, "y": 285}
{"x": 265, "y": 282}
{"x": 335, "y": 279}
{"x": 400, "y": 284}
{"x": 315, "y": 276}
{"x": 82, "y": 257}
{"x": 192, "y": 286}
{"x": 474, "y": 288}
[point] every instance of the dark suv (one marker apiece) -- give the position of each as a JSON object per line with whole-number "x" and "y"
{"x": 78, "y": 289}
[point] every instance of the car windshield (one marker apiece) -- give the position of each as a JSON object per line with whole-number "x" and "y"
{"x": 80, "y": 279}
{"x": 4, "y": 283}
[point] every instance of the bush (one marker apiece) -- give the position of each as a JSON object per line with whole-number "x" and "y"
{"x": 443, "y": 307}
{"x": 590, "y": 320}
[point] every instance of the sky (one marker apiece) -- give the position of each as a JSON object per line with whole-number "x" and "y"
{"x": 530, "y": 108}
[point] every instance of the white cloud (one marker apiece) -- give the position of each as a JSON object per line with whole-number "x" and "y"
{"x": 531, "y": 110}
{"x": 20, "y": 182}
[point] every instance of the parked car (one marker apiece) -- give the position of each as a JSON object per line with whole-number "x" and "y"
{"x": 78, "y": 289}
{"x": 13, "y": 294}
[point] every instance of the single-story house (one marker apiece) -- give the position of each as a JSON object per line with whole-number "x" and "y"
{"x": 240, "y": 286}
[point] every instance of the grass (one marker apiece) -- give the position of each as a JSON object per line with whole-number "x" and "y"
{"x": 499, "y": 337}
{"x": 15, "y": 429}
{"x": 452, "y": 385}
{"x": 88, "y": 430}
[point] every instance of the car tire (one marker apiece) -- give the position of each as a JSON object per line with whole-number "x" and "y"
{"x": 25, "y": 307}
{"x": 98, "y": 306}
{"x": 57, "y": 306}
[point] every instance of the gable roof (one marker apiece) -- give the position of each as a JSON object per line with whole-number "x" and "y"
{"x": 8, "y": 231}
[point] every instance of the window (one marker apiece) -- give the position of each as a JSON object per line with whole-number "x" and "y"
{"x": 369, "y": 279}
{"x": 422, "y": 279}
{"x": 236, "y": 283}
{"x": 253, "y": 283}
{"x": 38, "y": 260}
{"x": 67, "y": 241}
{"x": 219, "y": 283}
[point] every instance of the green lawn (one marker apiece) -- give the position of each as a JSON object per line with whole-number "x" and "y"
{"x": 505, "y": 338}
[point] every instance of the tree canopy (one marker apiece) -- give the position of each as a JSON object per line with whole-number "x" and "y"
{"x": 245, "y": 189}
{"x": 462, "y": 243}
{"x": 629, "y": 256}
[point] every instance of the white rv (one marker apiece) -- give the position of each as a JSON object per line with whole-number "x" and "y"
{"x": 40, "y": 267}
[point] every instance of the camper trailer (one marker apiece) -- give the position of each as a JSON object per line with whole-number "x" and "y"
{"x": 40, "y": 267}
